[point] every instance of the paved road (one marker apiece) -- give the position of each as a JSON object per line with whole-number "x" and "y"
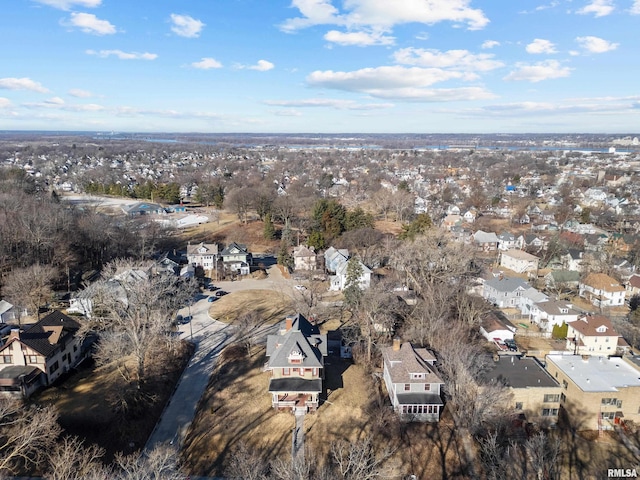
{"x": 210, "y": 337}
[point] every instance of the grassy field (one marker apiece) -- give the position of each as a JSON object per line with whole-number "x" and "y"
{"x": 272, "y": 306}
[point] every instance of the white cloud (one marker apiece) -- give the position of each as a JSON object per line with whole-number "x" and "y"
{"x": 600, "y": 8}
{"x": 5, "y": 102}
{"x": 76, "y": 92}
{"x": 397, "y": 82}
{"x": 546, "y": 70}
{"x": 186, "y": 26}
{"x": 68, "y": 4}
{"x": 492, "y": 43}
{"x": 456, "y": 59}
{"x": 89, "y": 23}
{"x": 262, "y": 66}
{"x": 540, "y": 45}
{"x": 58, "y": 103}
{"x": 635, "y": 8}
{"x": 122, "y": 55}
{"x": 21, "y": 84}
{"x": 596, "y": 44}
{"x": 359, "y": 39}
{"x": 207, "y": 63}
{"x": 384, "y": 13}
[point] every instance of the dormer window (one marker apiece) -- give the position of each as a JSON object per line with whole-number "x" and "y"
{"x": 295, "y": 356}
{"x": 564, "y": 310}
{"x": 417, "y": 376}
{"x": 601, "y": 329}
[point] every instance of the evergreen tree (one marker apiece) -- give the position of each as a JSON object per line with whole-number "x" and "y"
{"x": 352, "y": 291}
{"x": 269, "y": 231}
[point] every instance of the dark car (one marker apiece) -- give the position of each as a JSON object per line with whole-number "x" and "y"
{"x": 213, "y": 288}
{"x": 220, "y": 293}
{"x": 511, "y": 345}
{"x": 212, "y": 299}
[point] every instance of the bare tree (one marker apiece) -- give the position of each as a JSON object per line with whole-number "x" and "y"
{"x": 360, "y": 461}
{"x": 543, "y": 452}
{"x": 161, "y": 463}
{"x": 31, "y": 286}
{"x": 26, "y": 434}
{"x": 248, "y": 326}
{"x": 246, "y": 464}
{"x": 134, "y": 308}
{"x": 240, "y": 201}
{"x": 72, "y": 460}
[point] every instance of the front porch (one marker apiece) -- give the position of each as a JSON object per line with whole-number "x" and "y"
{"x": 295, "y": 401}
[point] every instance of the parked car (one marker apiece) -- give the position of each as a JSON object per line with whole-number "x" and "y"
{"x": 212, "y": 299}
{"x": 511, "y": 345}
{"x": 213, "y": 288}
{"x": 500, "y": 344}
{"x": 220, "y": 293}
{"x": 184, "y": 320}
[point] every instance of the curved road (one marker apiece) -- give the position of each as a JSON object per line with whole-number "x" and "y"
{"x": 209, "y": 337}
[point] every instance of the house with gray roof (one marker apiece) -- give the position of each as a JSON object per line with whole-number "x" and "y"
{"x": 551, "y": 313}
{"x": 296, "y": 364}
{"x": 412, "y": 381}
{"x": 504, "y": 292}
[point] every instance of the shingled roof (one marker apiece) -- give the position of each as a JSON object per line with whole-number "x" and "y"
{"x": 45, "y": 336}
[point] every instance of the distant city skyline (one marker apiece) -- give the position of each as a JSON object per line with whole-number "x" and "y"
{"x": 376, "y": 66}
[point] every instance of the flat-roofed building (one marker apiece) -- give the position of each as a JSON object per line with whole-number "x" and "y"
{"x": 597, "y": 392}
{"x": 536, "y": 394}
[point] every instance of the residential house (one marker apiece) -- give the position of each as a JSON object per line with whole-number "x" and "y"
{"x": 485, "y": 241}
{"x": 551, "y": 313}
{"x": 451, "y": 221}
{"x": 572, "y": 260}
{"x": 296, "y": 364}
{"x": 594, "y": 335}
{"x": 633, "y": 286}
{"x": 304, "y": 258}
{"x": 469, "y": 216}
{"x": 519, "y": 261}
{"x": 624, "y": 243}
{"x": 562, "y": 279}
{"x": 203, "y": 255}
{"x": 10, "y": 313}
{"x": 338, "y": 281}
{"x": 508, "y": 241}
{"x": 504, "y": 292}
{"x": 413, "y": 384}
{"x": 493, "y": 328}
{"x": 598, "y": 392}
{"x": 535, "y": 394}
{"x": 37, "y": 355}
{"x": 236, "y": 259}
{"x": 534, "y": 242}
{"x": 602, "y": 290}
{"x": 334, "y": 257}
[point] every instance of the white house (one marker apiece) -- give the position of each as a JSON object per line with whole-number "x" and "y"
{"x": 203, "y": 255}
{"x": 602, "y": 290}
{"x": 412, "y": 382}
{"x": 339, "y": 280}
{"x": 493, "y": 328}
{"x": 519, "y": 261}
{"x": 555, "y": 312}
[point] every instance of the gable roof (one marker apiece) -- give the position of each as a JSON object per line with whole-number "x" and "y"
{"x": 589, "y": 325}
{"x": 45, "y": 335}
{"x": 234, "y": 246}
{"x": 602, "y": 281}
{"x": 303, "y": 251}
{"x": 506, "y": 284}
{"x": 209, "y": 248}
{"x": 634, "y": 281}
{"x": 407, "y": 360}
{"x": 302, "y": 338}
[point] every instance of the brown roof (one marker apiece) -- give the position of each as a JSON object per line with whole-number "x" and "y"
{"x": 634, "y": 281}
{"x": 589, "y": 324}
{"x": 401, "y": 363}
{"x": 602, "y": 281}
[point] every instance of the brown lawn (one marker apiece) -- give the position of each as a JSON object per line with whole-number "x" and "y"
{"x": 82, "y": 400}
{"x": 272, "y": 306}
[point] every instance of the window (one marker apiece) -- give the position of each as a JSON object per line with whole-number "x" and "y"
{"x": 518, "y": 405}
{"x": 427, "y": 387}
{"x": 551, "y": 398}
{"x": 75, "y": 348}
{"x": 32, "y": 359}
{"x": 55, "y": 367}
{"x": 549, "y": 412}
{"x": 286, "y": 371}
{"x": 608, "y": 415}
{"x": 563, "y": 397}
{"x": 407, "y": 387}
{"x": 6, "y": 359}
{"x": 610, "y": 401}
{"x": 565, "y": 384}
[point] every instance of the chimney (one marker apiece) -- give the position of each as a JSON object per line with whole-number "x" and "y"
{"x": 288, "y": 324}
{"x": 15, "y": 333}
{"x": 396, "y": 344}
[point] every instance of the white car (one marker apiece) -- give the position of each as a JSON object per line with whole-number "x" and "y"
{"x": 300, "y": 287}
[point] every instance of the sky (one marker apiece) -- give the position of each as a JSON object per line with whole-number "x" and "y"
{"x": 321, "y": 66}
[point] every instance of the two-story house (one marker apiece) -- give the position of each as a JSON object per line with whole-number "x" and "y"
{"x": 413, "y": 384}
{"x": 203, "y": 255}
{"x": 519, "y": 261}
{"x": 236, "y": 258}
{"x": 334, "y": 257}
{"x": 551, "y": 313}
{"x": 39, "y": 354}
{"x": 594, "y": 335}
{"x": 296, "y": 363}
{"x": 339, "y": 280}
{"x": 485, "y": 241}
{"x": 602, "y": 290}
{"x": 304, "y": 258}
{"x": 508, "y": 241}
{"x": 504, "y": 292}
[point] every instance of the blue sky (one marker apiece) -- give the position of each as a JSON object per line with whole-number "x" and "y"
{"x": 326, "y": 66}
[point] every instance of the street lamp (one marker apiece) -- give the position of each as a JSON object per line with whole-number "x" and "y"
{"x": 190, "y": 320}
